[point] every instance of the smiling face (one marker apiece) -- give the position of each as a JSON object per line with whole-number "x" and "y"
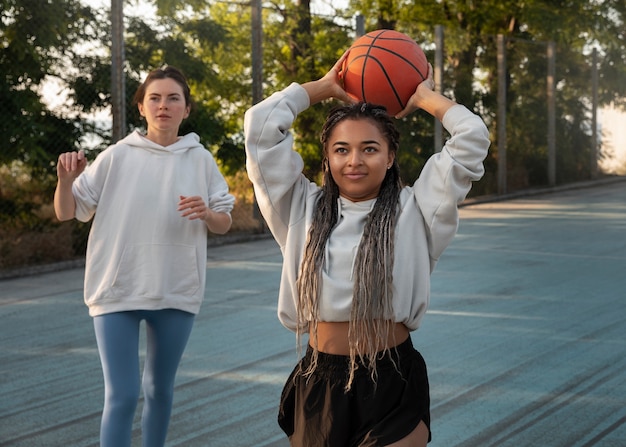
{"x": 358, "y": 156}
{"x": 164, "y": 107}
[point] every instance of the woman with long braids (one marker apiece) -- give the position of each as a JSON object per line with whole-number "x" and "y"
{"x": 358, "y": 253}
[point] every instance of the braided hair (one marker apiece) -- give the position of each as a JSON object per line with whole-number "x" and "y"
{"x": 372, "y": 310}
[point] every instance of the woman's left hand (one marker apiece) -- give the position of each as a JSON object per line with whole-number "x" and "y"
{"x": 423, "y": 89}
{"x": 427, "y": 99}
{"x": 193, "y": 208}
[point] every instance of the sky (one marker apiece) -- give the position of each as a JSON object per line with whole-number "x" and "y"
{"x": 614, "y": 135}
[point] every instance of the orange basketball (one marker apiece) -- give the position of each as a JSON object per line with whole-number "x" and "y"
{"x": 384, "y": 67}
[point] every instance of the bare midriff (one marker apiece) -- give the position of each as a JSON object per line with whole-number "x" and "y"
{"x": 332, "y": 337}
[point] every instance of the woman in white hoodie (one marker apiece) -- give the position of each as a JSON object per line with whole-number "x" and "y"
{"x": 358, "y": 252}
{"x": 153, "y": 198}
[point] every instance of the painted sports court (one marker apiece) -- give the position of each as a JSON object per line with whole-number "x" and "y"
{"x": 525, "y": 338}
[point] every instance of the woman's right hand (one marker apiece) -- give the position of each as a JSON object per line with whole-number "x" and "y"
{"x": 70, "y": 165}
{"x": 330, "y": 85}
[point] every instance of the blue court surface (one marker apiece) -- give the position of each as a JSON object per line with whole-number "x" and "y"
{"x": 525, "y": 338}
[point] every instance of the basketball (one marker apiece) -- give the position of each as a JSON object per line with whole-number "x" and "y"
{"x": 384, "y": 67}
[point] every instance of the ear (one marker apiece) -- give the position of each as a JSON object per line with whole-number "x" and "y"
{"x": 140, "y": 108}
{"x": 187, "y": 111}
{"x": 391, "y": 158}
{"x": 325, "y": 164}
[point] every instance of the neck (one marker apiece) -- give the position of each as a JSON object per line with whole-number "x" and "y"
{"x": 162, "y": 138}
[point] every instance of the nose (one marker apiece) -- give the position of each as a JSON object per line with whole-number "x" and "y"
{"x": 355, "y": 158}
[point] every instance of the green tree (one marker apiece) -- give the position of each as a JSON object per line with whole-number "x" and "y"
{"x": 175, "y": 41}
{"x": 38, "y": 39}
{"x": 297, "y": 47}
{"x": 470, "y": 70}
{"x": 300, "y": 47}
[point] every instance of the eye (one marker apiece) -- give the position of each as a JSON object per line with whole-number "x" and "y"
{"x": 340, "y": 150}
{"x": 370, "y": 149}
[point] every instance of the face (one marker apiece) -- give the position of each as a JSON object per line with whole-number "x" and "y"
{"x": 164, "y": 106}
{"x": 359, "y": 157}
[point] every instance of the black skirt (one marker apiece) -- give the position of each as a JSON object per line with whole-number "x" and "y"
{"x": 316, "y": 411}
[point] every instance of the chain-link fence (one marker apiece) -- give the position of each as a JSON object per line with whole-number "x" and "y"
{"x": 49, "y": 106}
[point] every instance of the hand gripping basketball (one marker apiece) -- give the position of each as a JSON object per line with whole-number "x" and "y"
{"x": 384, "y": 67}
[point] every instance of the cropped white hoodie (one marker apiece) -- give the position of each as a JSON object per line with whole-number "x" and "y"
{"x": 141, "y": 253}
{"x": 427, "y": 222}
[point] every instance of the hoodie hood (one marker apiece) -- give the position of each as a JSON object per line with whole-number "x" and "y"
{"x": 184, "y": 143}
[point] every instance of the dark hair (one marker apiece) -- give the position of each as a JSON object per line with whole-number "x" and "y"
{"x": 362, "y": 110}
{"x": 164, "y": 73}
{"x": 372, "y": 307}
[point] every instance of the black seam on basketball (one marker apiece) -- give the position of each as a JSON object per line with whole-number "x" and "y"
{"x": 367, "y": 56}
{"x": 373, "y": 45}
{"x": 369, "y": 47}
{"x": 393, "y": 87}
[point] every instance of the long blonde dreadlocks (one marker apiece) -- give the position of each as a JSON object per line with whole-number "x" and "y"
{"x": 372, "y": 309}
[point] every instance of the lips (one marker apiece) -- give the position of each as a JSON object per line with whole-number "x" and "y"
{"x": 354, "y": 175}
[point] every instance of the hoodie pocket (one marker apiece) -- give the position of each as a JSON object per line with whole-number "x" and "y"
{"x": 157, "y": 271}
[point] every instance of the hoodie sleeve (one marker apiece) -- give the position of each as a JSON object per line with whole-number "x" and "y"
{"x": 448, "y": 175}
{"x": 220, "y": 200}
{"x": 274, "y": 168}
{"x": 88, "y": 187}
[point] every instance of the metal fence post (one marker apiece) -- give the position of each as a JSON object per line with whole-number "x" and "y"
{"x": 360, "y": 25}
{"x": 118, "y": 84}
{"x": 438, "y": 78}
{"x": 551, "y": 114}
{"x": 594, "y": 115}
{"x": 257, "y": 51}
{"x": 501, "y": 116}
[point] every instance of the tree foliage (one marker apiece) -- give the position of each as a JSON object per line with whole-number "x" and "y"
{"x": 38, "y": 39}
{"x": 470, "y": 77}
{"x": 210, "y": 41}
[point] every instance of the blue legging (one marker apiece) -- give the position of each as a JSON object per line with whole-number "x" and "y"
{"x": 117, "y": 334}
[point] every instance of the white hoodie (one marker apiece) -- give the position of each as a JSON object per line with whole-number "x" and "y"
{"x": 141, "y": 253}
{"x": 427, "y": 222}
